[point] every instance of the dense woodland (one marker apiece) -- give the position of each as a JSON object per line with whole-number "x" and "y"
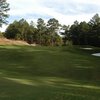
{"x": 50, "y": 33}
{"x": 42, "y": 33}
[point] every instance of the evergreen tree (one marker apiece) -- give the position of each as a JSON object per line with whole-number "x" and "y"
{"x": 4, "y": 7}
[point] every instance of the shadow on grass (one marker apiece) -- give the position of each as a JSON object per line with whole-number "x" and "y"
{"x": 36, "y": 73}
{"x": 37, "y": 61}
{"x": 47, "y": 88}
{"x": 52, "y": 81}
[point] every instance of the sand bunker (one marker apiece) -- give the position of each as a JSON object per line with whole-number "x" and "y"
{"x": 96, "y": 54}
{"x": 87, "y": 48}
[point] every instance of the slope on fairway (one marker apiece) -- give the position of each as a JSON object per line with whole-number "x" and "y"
{"x": 48, "y": 73}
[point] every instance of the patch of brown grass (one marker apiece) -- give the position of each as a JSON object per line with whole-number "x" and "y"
{"x": 4, "y": 41}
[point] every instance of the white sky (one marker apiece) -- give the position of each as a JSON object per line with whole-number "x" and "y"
{"x": 66, "y": 11}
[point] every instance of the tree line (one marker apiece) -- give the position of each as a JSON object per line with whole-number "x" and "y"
{"x": 86, "y": 33}
{"x": 83, "y": 33}
{"x": 42, "y": 33}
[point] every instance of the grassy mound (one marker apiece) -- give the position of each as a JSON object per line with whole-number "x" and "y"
{"x": 4, "y": 41}
{"x": 49, "y": 73}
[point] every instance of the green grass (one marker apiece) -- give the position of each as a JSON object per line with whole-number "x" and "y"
{"x": 49, "y": 73}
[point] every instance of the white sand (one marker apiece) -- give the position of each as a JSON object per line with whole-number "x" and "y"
{"x": 87, "y": 48}
{"x": 96, "y": 54}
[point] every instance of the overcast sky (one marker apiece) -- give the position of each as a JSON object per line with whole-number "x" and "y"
{"x": 66, "y": 11}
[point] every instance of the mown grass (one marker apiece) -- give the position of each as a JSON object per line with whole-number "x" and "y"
{"x": 49, "y": 73}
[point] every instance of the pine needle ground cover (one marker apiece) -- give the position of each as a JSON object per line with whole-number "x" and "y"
{"x": 49, "y": 73}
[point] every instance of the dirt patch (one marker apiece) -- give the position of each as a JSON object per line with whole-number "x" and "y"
{"x": 4, "y": 41}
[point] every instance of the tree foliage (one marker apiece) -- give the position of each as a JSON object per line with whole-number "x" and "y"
{"x": 4, "y": 7}
{"x": 86, "y": 33}
{"x": 41, "y": 34}
{"x": 20, "y": 30}
{"x": 52, "y": 26}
